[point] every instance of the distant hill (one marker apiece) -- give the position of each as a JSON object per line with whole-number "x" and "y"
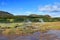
{"x": 20, "y": 18}
{"x": 5, "y": 14}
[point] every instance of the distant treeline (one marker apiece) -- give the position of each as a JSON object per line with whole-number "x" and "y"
{"x": 8, "y": 17}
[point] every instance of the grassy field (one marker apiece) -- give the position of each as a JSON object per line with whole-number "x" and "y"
{"x": 9, "y": 24}
{"x": 53, "y": 25}
{"x": 23, "y": 31}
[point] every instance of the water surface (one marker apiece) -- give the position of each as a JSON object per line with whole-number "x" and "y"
{"x": 50, "y": 35}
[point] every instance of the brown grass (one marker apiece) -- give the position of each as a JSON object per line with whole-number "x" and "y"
{"x": 42, "y": 27}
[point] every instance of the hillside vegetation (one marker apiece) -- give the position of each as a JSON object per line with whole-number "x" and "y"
{"x": 6, "y": 17}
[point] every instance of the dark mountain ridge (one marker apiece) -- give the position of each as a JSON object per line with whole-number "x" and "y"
{"x": 4, "y": 14}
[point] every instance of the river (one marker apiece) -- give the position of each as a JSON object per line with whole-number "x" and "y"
{"x": 50, "y": 35}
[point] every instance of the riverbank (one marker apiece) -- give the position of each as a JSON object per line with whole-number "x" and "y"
{"x": 19, "y": 30}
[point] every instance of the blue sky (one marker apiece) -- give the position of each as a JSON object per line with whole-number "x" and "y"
{"x": 26, "y": 7}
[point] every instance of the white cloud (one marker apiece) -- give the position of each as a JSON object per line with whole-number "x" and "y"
{"x": 50, "y": 8}
{"x": 26, "y": 13}
{"x": 30, "y": 12}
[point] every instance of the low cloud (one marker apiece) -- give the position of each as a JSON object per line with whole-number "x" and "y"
{"x": 50, "y": 8}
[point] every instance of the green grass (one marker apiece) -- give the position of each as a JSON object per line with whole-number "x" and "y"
{"x": 42, "y": 27}
{"x": 9, "y": 24}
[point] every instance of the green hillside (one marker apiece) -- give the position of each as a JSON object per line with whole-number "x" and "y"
{"x": 8, "y": 17}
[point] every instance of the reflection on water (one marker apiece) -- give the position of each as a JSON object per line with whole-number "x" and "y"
{"x": 35, "y": 36}
{"x": 50, "y": 35}
{"x": 56, "y": 32}
{"x": 25, "y": 38}
{"x": 3, "y": 38}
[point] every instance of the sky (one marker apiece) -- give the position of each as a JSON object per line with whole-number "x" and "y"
{"x": 27, "y": 7}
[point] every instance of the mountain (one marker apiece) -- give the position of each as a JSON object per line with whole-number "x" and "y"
{"x": 5, "y": 14}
